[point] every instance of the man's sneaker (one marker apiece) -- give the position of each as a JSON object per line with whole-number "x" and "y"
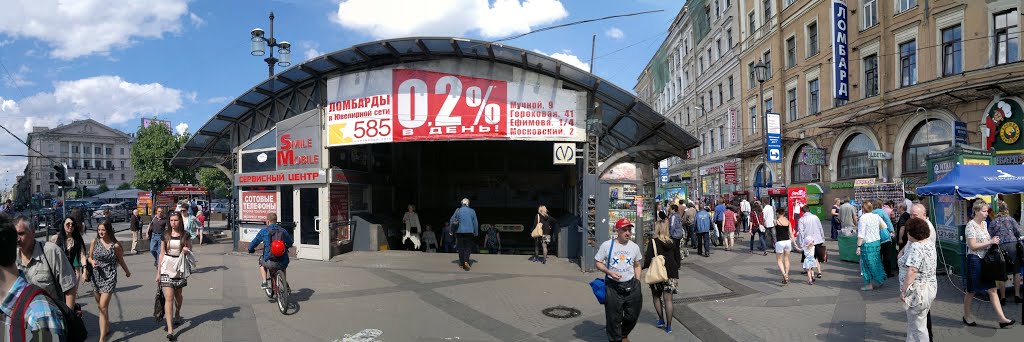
{"x": 660, "y": 324}
{"x": 668, "y": 330}
{"x": 263, "y": 284}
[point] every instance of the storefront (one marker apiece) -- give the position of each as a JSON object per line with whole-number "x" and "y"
{"x": 345, "y": 142}
{"x": 718, "y": 179}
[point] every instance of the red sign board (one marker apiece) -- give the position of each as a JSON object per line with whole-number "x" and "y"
{"x": 797, "y": 198}
{"x": 281, "y": 177}
{"x": 255, "y": 205}
{"x": 436, "y": 106}
{"x": 730, "y": 173}
{"x": 777, "y": 192}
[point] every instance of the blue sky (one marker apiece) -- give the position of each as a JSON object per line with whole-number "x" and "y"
{"x": 116, "y": 61}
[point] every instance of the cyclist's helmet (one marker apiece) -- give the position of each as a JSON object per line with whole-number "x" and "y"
{"x": 277, "y": 248}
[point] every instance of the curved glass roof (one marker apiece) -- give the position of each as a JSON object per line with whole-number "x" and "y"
{"x": 626, "y": 122}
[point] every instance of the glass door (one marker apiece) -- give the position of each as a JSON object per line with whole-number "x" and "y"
{"x": 307, "y": 230}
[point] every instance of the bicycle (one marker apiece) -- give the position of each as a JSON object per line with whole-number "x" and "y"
{"x": 277, "y": 288}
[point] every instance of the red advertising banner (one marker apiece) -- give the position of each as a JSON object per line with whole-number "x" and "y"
{"x": 797, "y": 198}
{"x": 436, "y": 106}
{"x": 339, "y": 212}
{"x": 401, "y": 105}
{"x": 255, "y": 205}
{"x": 730, "y": 173}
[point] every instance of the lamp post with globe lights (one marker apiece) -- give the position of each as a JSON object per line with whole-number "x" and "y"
{"x": 761, "y": 74}
{"x": 284, "y": 48}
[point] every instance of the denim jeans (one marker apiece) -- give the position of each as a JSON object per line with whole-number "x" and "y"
{"x": 154, "y": 247}
{"x": 703, "y": 243}
{"x": 760, "y": 236}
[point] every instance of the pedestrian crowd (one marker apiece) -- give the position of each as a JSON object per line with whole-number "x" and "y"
{"x": 905, "y": 250}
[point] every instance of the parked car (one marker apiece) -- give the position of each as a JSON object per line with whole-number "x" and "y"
{"x": 93, "y": 205}
{"x": 117, "y": 213}
{"x": 219, "y": 208}
{"x": 130, "y": 205}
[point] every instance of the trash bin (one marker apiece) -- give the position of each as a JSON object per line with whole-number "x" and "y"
{"x": 848, "y": 248}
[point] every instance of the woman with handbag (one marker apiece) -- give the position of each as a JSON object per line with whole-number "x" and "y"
{"x": 662, "y": 246}
{"x": 542, "y": 234}
{"x": 1008, "y": 231}
{"x": 173, "y": 245}
{"x": 978, "y": 243}
{"x": 918, "y": 284}
{"x": 70, "y": 241}
{"x": 757, "y": 227}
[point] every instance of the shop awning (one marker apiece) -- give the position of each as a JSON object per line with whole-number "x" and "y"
{"x": 969, "y": 181}
{"x": 627, "y": 125}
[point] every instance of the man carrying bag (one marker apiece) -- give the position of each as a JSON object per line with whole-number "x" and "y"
{"x": 620, "y": 259}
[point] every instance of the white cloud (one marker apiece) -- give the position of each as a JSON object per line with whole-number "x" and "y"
{"x": 192, "y": 96}
{"x": 614, "y": 33}
{"x": 5, "y": 42}
{"x": 310, "y": 49}
{"x": 85, "y": 27}
{"x": 219, "y": 99}
{"x": 312, "y": 53}
{"x": 17, "y": 78}
{"x": 107, "y": 99}
{"x": 567, "y": 57}
{"x": 196, "y": 21}
{"x": 447, "y": 17}
{"x": 181, "y": 128}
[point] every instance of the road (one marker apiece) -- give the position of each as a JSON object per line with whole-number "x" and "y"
{"x": 411, "y": 296}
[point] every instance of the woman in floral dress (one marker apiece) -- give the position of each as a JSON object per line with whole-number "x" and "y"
{"x": 104, "y": 256}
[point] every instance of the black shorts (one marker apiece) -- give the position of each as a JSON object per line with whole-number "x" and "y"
{"x": 270, "y": 264}
{"x": 820, "y": 253}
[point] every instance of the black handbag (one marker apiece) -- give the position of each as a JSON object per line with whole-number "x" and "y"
{"x": 993, "y": 265}
{"x": 158, "y": 305}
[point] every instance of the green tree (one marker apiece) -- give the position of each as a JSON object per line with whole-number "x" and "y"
{"x": 103, "y": 188}
{"x": 215, "y": 182}
{"x": 151, "y": 158}
{"x": 124, "y": 186}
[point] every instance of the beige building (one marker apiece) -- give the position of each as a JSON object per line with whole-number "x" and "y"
{"x": 95, "y": 155}
{"x": 694, "y": 79}
{"x": 915, "y": 69}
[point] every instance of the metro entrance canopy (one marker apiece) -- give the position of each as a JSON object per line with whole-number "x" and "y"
{"x": 630, "y": 130}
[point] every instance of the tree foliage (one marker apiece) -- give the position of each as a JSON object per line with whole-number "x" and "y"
{"x": 103, "y": 188}
{"x": 124, "y": 186}
{"x": 151, "y": 158}
{"x": 215, "y": 182}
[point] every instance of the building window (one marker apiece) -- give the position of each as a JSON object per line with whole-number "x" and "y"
{"x": 767, "y": 9}
{"x": 812, "y": 39}
{"x": 97, "y": 150}
{"x": 904, "y": 5}
{"x": 87, "y": 164}
{"x": 952, "y": 61}
{"x": 122, "y": 164}
{"x": 38, "y": 187}
{"x": 908, "y": 63}
{"x": 110, "y": 176}
{"x": 871, "y": 76}
{"x": 710, "y": 60}
{"x": 769, "y": 106}
{"x": 718, "y": 44}
{"x": 51, "y": 175}
{"x": 728, "y": 39}
{"x": 753, "y": 119}
{"x": 789, "y": 2}
{"x": 109, "y": 150}
{"x": 711, "y": 100}
{"x": 1007, "y": 37}
{"x": 728, "y": 3}
{"x": 853, "y": 158}
{"x": 712, "y": 135}
{"x": 720, "y": 93}
{"x": 51, "y": 188}
{"x": 813, "y": 99}
{"x": 730, "y": 88}
{"x": 804, "y": 173}
{"x": 122, "y": 151}
{"x": 930, "y": 136}
{"x": 752, "y": 19}
{"x": 750, "y": 75}
{"x": 51, "y": 147}
{"x": 718, "y": 10}
{"x": 767, "y": 58}
{"x": 122, "y": 176}
{"x": 76, "y": 176}
{"x": 110, "y": 165}
{"x": 870, "y": 13}
{"x": 791, "y": 52}
{"x": 74, "y": 149}
{"x": 721, "y": 137}
{"x": 791, "y": 100}
{"x": 88, "y": 175}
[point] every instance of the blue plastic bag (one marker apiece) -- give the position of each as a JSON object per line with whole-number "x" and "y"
{"x": 598, "y": 287}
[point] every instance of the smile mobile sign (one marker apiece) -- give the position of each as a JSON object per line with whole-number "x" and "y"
{"x": 402, "y": 105}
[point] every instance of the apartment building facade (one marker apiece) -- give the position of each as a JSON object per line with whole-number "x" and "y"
{"x": 694, "y": 79}
{"x": 96, "y": 155}
{"x": 918, "y": 71}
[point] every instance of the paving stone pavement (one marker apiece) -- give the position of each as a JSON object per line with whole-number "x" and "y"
{"x": 411, "y": 296}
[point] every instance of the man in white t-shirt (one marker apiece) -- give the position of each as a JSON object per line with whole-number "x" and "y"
{"x": 769, "y": 223}
{"x": 620, "y": 259}
{"x": 745, "y": 214}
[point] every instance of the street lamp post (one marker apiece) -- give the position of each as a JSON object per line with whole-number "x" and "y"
{"x": 284, "y": 48}
{"x": 761, "y": 74}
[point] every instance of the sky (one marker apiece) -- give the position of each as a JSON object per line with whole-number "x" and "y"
{"x": 117, "y": 61}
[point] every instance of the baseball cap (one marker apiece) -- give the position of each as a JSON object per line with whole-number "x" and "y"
{"x": 623, "y": 223}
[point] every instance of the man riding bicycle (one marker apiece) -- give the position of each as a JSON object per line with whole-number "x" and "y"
{"x": 276, "y": 242}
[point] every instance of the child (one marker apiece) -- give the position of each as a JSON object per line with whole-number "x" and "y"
{"x": 810, "y": 262}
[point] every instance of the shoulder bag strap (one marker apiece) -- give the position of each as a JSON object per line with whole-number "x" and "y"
{"x": 655, "y": 244}
{"x": 18, "y": 322}
{"x": 609, "y": 260}
{"x": 56, "y": 281}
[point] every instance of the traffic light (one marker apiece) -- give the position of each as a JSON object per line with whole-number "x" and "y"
{"x": 61, "y": 173}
